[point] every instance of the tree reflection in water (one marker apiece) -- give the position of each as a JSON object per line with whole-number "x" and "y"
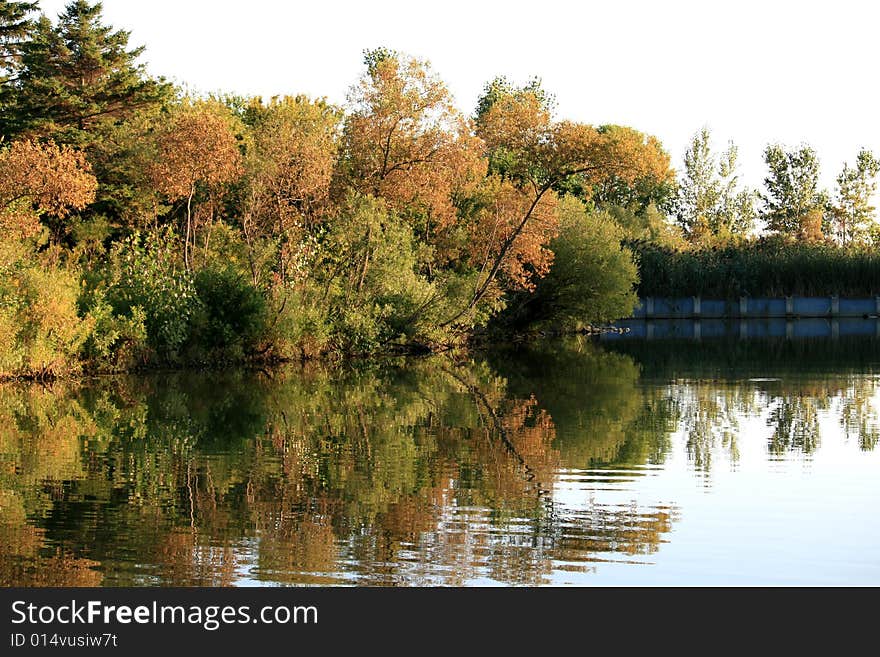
{"x": 429, "y": 471}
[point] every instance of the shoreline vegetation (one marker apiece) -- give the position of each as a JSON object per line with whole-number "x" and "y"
{"x": 141, "y": 227}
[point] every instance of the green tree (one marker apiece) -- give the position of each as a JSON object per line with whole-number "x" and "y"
{"x": 737, "y": 211}
{"x": 710, "y": 201}
{"x": 76, "y": 76}
{"x": 852, "y": 212}
{"x": 793, "y": 204}
{"x": 647, "y": 224}
{"x": 592, "y": 279}
{"x": 15, "y": 29}
{"x": 644, "y": 196}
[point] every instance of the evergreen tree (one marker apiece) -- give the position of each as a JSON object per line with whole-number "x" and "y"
{"x": 15, "y": 27}
{"x": 76, "y": 76}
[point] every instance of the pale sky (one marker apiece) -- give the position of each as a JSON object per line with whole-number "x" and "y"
{"x": 754, "y": 72}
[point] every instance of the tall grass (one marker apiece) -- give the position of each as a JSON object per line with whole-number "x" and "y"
{"x": 765, "y": 267}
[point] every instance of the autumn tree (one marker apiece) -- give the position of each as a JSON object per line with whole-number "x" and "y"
{"x": 503, "y": 89}
{"x": 852, "y": 211}
{"x": 194, "y": 148}
{"x": 592, "y": 279}
{"x": 76, "y": 76}
{"x": 535, "y": 154}
{"x": 405, "y": 142}
{"x": 793, "y": 204}
{"x": 494, "y": 213}
{"x": 710, "y": 202}
{"x": 38, "y": 179}
{"x": 288, "y": 169}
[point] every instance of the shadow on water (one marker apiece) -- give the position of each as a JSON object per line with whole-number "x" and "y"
{"x": 518, "y": 466}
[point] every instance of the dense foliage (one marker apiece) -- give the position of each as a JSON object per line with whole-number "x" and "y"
{"x": 142, "y": 226}
{"x": 767, "y": 267}
{"x": 593, "y": 276}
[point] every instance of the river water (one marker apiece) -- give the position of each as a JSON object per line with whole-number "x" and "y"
{"x": 625, "y": 462}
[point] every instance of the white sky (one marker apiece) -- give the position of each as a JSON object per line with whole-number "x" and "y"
{"x": 753, "y": 72}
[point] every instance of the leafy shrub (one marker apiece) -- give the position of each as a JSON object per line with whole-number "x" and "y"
{"x": 592, "y": 278}
{"x": 298, "y": 324}
{"x": 146, "y": 274}
{"x": 40, "y": 330}
{"x": 231, "y": 316}
{"x": 376, "y": 290}
{"x": 116, "y": 342}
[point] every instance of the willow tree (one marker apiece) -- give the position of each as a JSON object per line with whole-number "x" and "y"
{"x": 534, "y": 154}
{"x": 195, "y": 147}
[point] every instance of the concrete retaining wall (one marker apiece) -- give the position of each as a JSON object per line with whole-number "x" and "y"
{"x": 756, "y": 308}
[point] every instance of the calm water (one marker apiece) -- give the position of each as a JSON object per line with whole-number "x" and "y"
{"x": 713, "y": 462}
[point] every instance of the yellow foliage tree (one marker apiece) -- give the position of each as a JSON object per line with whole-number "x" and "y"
{"x": 288, "y": 169}
{"x": 406, "y": 142}
{"x": 41, "y": 178}
{"x": 195, "y": 146}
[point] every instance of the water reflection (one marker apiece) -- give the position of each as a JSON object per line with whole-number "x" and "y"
{"x": 520, "y": 467}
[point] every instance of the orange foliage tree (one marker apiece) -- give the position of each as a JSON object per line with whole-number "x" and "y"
{"x": 498, "y": 207}
{"x": 41, "y": 178}
{"x": 288, "y": 169}
{"x": 195, "y": 146}
{"x": 535, "y": 155}
{"x": 406, "y": 142}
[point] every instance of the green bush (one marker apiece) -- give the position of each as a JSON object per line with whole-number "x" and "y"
{"x": 146, "y": 274}
{"x": 41, "y": 332}
{"x": 116, "y": 342}
{"x": 298, "y": 325}
{"x": 230, "y": 320}
{"x": 592, "y": 279}
{"x": 372, "y": 270}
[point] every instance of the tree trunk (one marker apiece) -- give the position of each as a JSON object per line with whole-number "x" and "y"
{"x": 481, "y": 290}
{"x": 188, "y": 227}
{"x": 282, "y": 242}
{"x": 366, "y": 264}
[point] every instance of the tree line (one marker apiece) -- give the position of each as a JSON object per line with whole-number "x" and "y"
{"x": 143, "y": 225}
{"x": 711, "y": 205}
